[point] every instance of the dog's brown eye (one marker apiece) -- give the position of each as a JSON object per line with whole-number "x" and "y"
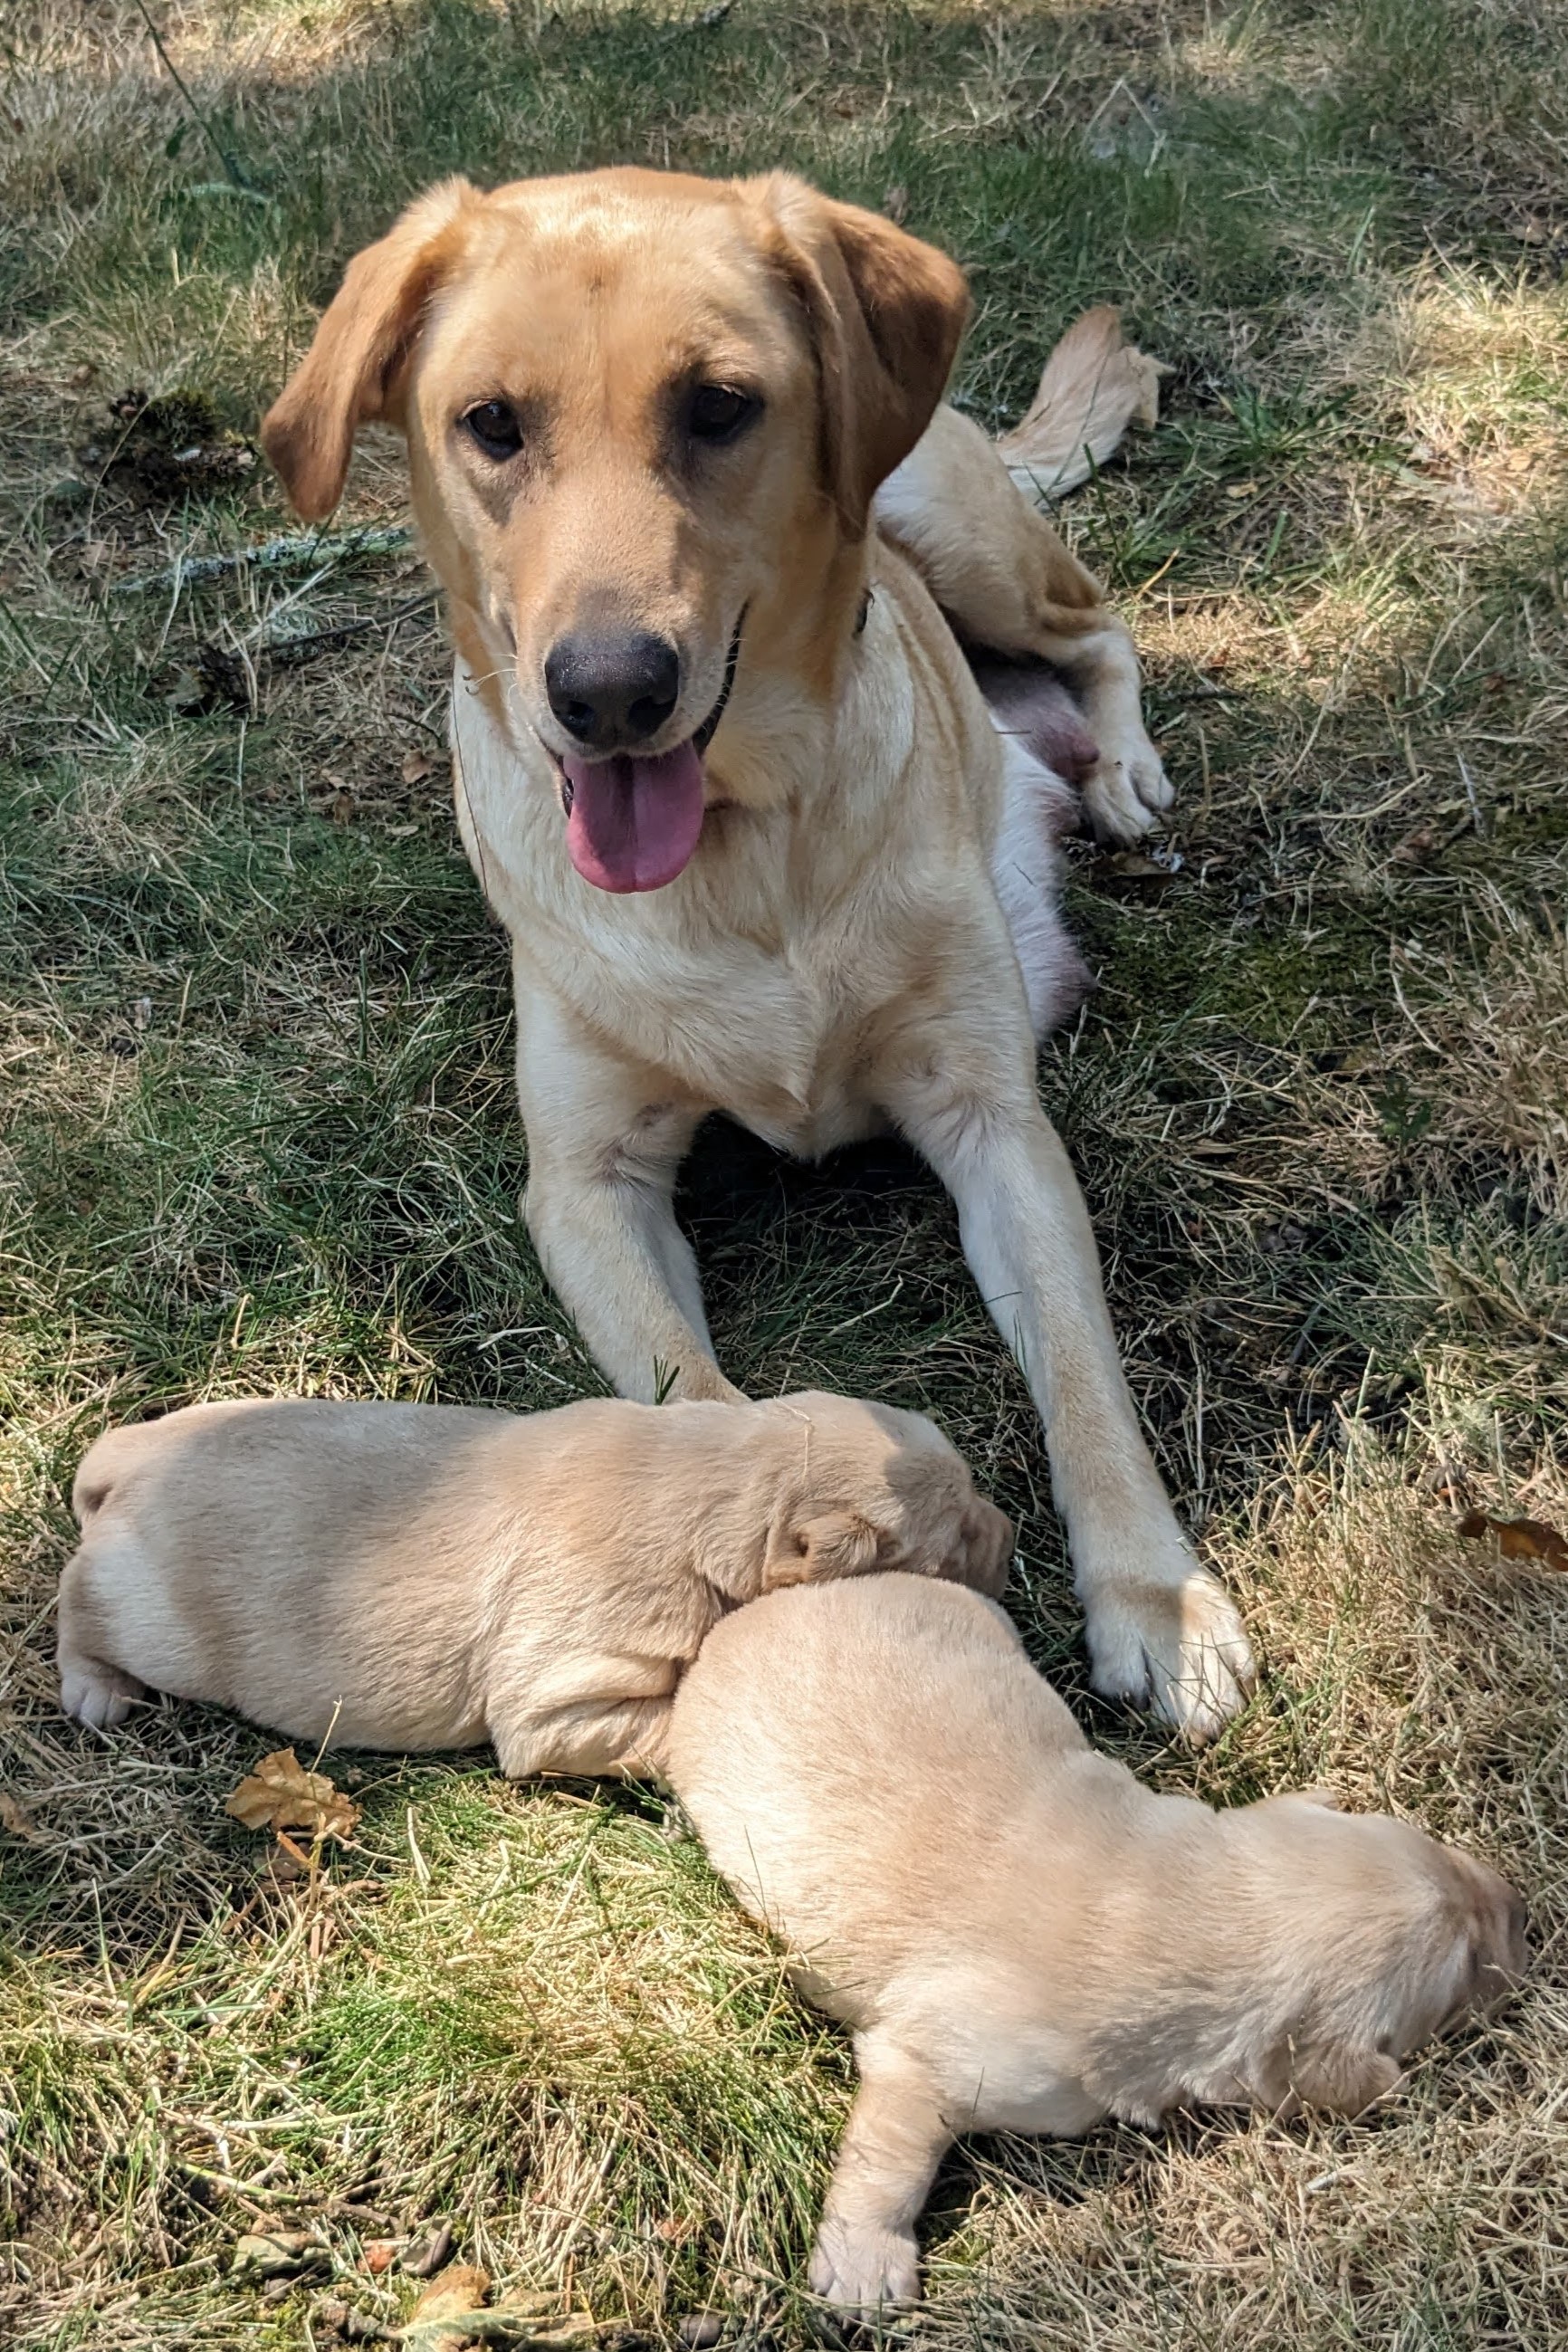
{"x": 718, "y": 412}
{"x": 495, "y": 425}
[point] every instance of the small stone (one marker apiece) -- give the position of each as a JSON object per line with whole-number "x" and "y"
{"x": 700, "y": 2329}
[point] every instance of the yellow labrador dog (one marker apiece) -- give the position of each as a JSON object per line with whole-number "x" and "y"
{"x": 679, "y": 460}
{"x": 1020, "y": 1936}
{"x": 414, "y": 1576}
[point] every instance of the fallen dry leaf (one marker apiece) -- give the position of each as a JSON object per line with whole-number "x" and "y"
{"x": 380, "y": 2255}
{"x": 281, "y": 1794}
{"x": 417, "y": 766}
{"x": 17, "y": 1818}
{"x": 1518, "y": 1539}
{"x": 437, "y": 2321}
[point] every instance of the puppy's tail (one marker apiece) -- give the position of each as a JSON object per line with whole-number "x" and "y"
{"x": 1094, "y": 386}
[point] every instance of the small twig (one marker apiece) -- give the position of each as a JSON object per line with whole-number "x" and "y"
{"x": 285, "y": 650}
{"x": 232, "y": 171}
{"x": 1470, "y": 784}
{"x": 295, "y": 553}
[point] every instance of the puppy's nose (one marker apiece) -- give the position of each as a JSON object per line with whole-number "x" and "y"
{"x": 614, "y": 689}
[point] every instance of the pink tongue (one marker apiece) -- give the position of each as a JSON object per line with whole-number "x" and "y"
{"x": 634, "y": 822}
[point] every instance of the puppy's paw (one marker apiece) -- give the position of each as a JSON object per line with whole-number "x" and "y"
{"x": 861, "y": 2268}
{"x": 97, "y": 1694}
{"x": 1178, "y": 1649}
{"x": 1128, "y": 790}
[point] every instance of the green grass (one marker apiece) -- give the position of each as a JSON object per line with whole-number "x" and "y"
{"x": 259, "y": 1135}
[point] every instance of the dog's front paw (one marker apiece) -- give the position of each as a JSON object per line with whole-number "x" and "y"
{"x": 1178, "y": 1649}
{"x": 861, "y": 2268}
{"x": 1127, "y": 791}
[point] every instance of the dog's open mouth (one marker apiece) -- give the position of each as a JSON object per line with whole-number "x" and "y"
{"x": 633, "y": 821}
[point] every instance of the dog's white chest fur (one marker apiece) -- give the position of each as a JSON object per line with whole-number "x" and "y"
{"x": 753, "y": 983}
{"x": 754, "y": 988}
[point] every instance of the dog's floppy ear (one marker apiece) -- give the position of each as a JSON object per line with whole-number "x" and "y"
{"x": 349, "y": 375}
{"x": 829, "y": 1544}
{"x": 885, "y": 314}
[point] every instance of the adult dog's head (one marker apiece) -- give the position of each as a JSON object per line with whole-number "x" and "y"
{"x": 646, "y": 418}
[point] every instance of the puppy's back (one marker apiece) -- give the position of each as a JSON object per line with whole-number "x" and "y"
{"x": 244, "y": 1552}
{"x": 851, "y": 1754}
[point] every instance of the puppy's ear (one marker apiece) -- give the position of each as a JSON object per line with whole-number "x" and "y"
{"x": 885, "y": 314}
{"x": 350, "y": 374}
{"x": 833, "y": 1543}
{"x": 988, "y": 1540}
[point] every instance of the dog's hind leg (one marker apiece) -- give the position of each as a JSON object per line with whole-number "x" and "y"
{"x": 93, "y": 1691}
{"x": 866, "y": 2260}
{"x": 1037, "y": 807}
{"x": 1006, "y": 579}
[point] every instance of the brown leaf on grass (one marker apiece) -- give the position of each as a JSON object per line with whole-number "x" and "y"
{"x": 417, "y": 766}
{"x": 281, "y": 1795}
{"x": 1530, "y": 1540}
{"x": 16, "y": 1820}
{"x": 437, "y": 2323}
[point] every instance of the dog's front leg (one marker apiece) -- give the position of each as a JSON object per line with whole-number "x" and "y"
{"x": 1161, "y": 1630}
{"x": 603, "y": 1153}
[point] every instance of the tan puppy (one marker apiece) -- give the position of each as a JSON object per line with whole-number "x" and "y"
{"x": 726, "y": 777}
{"x": 419, "y": 1576}
{"x": 1023, "y": 1938}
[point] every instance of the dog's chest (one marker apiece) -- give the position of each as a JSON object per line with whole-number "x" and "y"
{"x": 762, "y": 984}
{"x": 781, "y": 1039}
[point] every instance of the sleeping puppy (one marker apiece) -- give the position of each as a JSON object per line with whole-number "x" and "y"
{"x": 1021, "y": 1936}
{"x": 407, "y": 1576}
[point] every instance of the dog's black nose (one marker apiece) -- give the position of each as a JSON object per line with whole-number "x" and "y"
{"x": 614, "y": 691}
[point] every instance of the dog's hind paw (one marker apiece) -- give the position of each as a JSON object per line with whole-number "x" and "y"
{"x": 1178, "y": 1649}
{"x": 865, "y": 2269}
{"x": 1127, "y": 791}
{"x": 97, "y": 1694}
